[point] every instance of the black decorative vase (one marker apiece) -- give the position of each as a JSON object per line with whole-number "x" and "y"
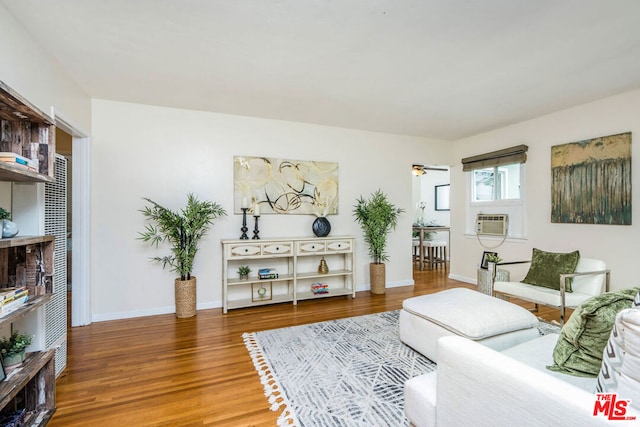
{"x": 321, "y": 227}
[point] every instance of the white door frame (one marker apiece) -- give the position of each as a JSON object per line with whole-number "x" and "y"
{"x": 81, "y": 224}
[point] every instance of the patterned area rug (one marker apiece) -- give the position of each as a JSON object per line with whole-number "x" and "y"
{"x": 345, "y": 372}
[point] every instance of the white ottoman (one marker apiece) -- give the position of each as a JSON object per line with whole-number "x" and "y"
{"x": 493, "y": 322}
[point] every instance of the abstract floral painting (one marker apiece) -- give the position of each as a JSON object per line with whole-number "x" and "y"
{"x": 285, "y": 186}
{"x": 591, "y": 181}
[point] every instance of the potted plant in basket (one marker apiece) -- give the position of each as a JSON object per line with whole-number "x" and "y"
{"x": 182, "y": 230}
{"x": 377, "y": 217}
{"x": 12, "y": 348}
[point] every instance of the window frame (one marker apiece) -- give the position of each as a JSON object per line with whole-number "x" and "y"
{"x": 494, "y": 189}
{"x": 515, "y": 208}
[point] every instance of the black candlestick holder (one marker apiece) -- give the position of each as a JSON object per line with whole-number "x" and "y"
{"x": 255, "y": 230}
{"x": 244, "y": 228}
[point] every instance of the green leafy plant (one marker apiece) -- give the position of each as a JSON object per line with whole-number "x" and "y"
{"x": 182, "y": 229}
{"x": 15, "y": 344}
{"x": 5, "y": 214}
{"x": 377, "y": 217}
{"x": 244, "y": 270}
{"x": 493, "y": 258}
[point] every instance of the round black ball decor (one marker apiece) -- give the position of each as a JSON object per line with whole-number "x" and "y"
{"x": 321, "y": 227}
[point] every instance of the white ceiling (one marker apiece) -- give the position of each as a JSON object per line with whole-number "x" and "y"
{"x": 435, "y": 68}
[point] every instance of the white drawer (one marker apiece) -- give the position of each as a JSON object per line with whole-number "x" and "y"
{"x": 339, "y": 246}
{"x": 244, "y": 250}
{"x": 310, "y": 247}
{"x": 276, "y": 248}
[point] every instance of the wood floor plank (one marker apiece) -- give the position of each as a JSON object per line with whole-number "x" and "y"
{"x": 164, "y": 371}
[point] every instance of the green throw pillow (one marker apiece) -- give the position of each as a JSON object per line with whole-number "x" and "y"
{"x": 546, "y": 268}
{"x": 583, "y": 338}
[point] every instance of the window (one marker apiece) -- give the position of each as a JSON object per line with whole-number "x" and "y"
{"x": 496, "y": 183}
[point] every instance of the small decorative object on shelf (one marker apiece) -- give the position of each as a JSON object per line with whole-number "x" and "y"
{"x": 261, "y": 293}
{"x": 256, "y": 216}
{"x": 9, "y": 228}
{"x": 319, "y": 288}
{"x": 267, "y": 273}
{"x": 321, "y": 226}
{"x": 243, "y": 272}
{"x": 12, "y": 348}
{"x": 244, "y": 228}
{"x": 323, "y": 268}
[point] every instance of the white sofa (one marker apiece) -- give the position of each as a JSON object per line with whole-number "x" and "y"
{"x": 476, "y": 385}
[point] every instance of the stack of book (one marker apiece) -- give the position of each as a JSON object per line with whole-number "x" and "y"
{"x": 16, "y": 159}
{"x": 12, "y": 299}
{"x": 319, "y": 288}
{"x": 268, "y": 273}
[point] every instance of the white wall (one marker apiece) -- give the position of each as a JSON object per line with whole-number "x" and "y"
{"x": 27, "y": 69}
{"x": 615, "y": 244}
{"x": 164, "y": 153}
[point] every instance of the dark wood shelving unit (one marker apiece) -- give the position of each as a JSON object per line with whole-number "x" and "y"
{"x": 27, "y": 260}
{"x": 17, "y": 173}
{"x": 31, "y": 386}
{"x": 12, "y": 242}
{"x": 22, "y": 125}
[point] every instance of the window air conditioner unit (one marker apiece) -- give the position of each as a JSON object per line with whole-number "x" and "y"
{"x": 492, "y": 224}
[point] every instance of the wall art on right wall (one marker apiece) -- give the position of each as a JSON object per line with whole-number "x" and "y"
{"x": 591, "y": 181}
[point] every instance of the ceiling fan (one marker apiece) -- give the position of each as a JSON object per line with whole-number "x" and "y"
{"x": 418, "y": 170}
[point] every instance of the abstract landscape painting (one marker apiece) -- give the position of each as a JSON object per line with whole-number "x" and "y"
{"x": 591, "y": 181}
{"x": 285, "y": 186}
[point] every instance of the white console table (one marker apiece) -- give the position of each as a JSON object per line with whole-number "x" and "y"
{"x": 296, "y": 260}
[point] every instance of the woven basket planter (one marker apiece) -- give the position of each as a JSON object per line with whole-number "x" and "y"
{"x": 378, "y": 278}
{"x": 185, "y": 297}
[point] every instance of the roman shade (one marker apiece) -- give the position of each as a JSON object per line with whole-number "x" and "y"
{"x": 507, "y": 156}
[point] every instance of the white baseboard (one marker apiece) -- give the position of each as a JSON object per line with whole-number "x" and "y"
{"x": 150, "y": 312}
{"x": 211, "y": 304}
{"x": 130, "y": 314}
{"x": 396, "y": 284}
{"x": 463, "y": 279}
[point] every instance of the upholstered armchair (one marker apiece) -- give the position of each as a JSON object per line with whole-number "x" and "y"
{"x": 549, "y": 283}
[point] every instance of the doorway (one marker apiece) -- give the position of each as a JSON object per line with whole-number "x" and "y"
{"x": 430, "y": 196}
{"x": 80, "y": 214}
{"x": 430, "y": 207}
{"x": 64, "y": 147}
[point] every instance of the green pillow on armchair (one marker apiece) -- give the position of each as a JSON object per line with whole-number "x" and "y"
{"x": 546, "y": 268}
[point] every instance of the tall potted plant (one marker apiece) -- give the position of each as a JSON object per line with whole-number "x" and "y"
{"x": 377, "y": 217}
{"x": 182, "y": 230}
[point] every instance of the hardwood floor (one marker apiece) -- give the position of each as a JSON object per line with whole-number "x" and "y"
{"x": 163, "y": 371}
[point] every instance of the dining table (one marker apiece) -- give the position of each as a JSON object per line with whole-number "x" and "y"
{"x": 421, "y": 229}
